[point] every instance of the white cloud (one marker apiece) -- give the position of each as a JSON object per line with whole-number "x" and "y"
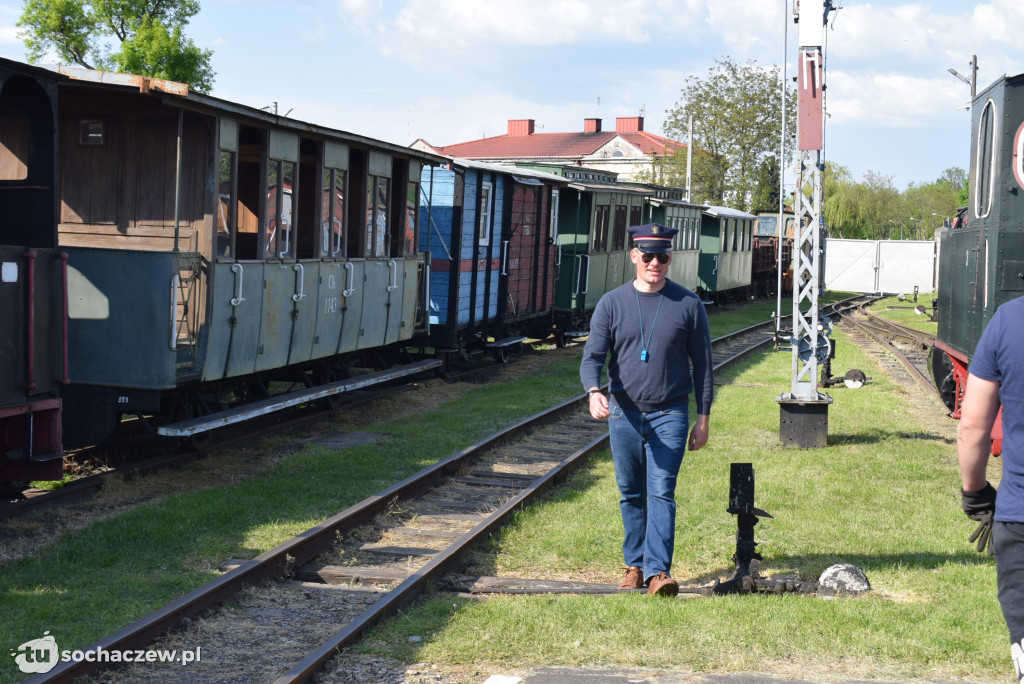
{"x": 891, "y": 99}
{"x": 8, "y": 29}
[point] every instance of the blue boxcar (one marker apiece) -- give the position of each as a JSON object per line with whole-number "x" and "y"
{"x": 490, "y": 232}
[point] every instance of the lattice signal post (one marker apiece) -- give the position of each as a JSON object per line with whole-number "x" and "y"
{"x": 803, "y": 420}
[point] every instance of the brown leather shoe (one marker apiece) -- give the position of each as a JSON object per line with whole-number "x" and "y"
{"x": 634, "y": 579}
{"x": 663, "y": 585}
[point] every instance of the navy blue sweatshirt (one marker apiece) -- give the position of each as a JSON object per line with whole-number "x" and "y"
{"x": 674, "y": 333}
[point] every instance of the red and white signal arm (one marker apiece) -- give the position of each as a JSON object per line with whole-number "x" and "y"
{"x": 810, "y": 105}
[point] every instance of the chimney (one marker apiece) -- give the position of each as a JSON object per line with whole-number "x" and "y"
{"x": 591, "y": 125}
{"x": 629, "y": 124}
{"x": 520, "y": 127}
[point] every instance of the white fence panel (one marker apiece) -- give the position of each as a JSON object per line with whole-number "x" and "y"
{"x": 893, "y": 266}
{"x": 904, "y": 265}
{"x": 850, "y": 265}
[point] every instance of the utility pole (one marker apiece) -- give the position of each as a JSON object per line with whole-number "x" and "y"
{"x": 803, "y": 419}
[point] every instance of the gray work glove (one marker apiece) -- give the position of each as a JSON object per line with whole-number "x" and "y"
{"x": 980, "y": 506}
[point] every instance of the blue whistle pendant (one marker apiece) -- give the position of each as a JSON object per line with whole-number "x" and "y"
{"x": 643, "y": 356}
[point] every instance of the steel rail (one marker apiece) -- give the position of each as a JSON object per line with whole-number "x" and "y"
{"x": 408, "y": 590}
{"x": 907, "y": 363}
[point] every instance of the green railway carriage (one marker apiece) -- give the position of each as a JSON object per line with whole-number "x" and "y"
{"x": 726, "y": 253}
{"x": 594, "y": 244}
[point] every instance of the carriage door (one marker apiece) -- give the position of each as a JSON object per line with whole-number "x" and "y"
{"x": 381, "y": 276}
{"x": 283, "y": 279}
{"x": 520, "y": 251}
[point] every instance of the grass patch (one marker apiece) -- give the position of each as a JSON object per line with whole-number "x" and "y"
{"x": 92, "y": 582}
{"x": 883, "y": 495}
{"x": 904, "y": 314}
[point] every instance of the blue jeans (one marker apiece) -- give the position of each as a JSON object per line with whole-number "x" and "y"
{"x": 647, "y": 449}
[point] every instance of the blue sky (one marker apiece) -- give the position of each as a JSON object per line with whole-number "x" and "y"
{"x": 454, "y": 70}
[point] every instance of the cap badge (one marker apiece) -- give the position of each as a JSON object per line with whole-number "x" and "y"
{"x": 654, "y": 230}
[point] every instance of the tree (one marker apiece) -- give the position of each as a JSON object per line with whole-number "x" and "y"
{"x": 736, "y": 127}
{"x": 873, "y": 209}
{"x": 149, "y": 32}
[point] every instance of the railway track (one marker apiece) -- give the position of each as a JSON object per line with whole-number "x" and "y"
{"x": 376, "y": 557}
{"x": 902, "y": 351}
{"x": 131, "y": 457}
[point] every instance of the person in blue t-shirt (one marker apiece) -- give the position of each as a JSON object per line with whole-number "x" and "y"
{"x": 652, "y": 330}
{"x": 996, "y": 380}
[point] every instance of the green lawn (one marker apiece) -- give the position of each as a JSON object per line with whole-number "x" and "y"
{"x": 883, "y": 495}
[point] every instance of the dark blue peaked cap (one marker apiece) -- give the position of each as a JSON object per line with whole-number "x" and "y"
{"x": 653, "y": 237}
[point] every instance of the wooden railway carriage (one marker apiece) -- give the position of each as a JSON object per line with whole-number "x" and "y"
{"x": 981, "y": 265}
{"x": 491, "y": 239}
{"x": 726, "y": 253}
{"x": 214, "y": 248}
{"x": 764, "y": 276}
{"x": 33, "y": 274}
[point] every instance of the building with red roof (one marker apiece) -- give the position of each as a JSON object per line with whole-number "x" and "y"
{"x": 625, "y": 151}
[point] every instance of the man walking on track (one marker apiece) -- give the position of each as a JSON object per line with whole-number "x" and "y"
{"x": 652, "y": 330}
{"x": 996, "y": 379}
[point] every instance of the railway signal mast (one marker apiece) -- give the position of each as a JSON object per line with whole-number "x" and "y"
{"x": 803, "y": 420}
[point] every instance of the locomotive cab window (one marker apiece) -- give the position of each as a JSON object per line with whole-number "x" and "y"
{"x": 985, "y": 159}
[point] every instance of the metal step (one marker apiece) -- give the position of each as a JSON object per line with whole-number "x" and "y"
{"x": 194, "y": 426}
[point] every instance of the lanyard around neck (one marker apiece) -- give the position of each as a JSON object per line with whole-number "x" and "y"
{"x": 644, "y": 340}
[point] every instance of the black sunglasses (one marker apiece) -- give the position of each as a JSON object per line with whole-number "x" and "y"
{"x": 648, "y": 257}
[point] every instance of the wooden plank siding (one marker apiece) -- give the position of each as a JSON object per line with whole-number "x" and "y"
{"x": 121, "y": 194}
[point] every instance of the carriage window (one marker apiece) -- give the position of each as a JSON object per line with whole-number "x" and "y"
{"x": 93, "y": 133}
{"x": 225, "y": 204}
{"x": 984, "y": 160}
{"x": 14, "y": 134}
{"x": 332, "y": 212}
{"x": 602, "y": 213}
{"x": 377, "y": 194}
{"x": 636, "y": 216}
{"x": 724, "y": 237}
{"x": 280, "y": 181}
{"x": 553, "y": 221}
{"x": 484, "y": 217}
{"x": 411, "y": 215}
{"x": 619, "y": 236}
